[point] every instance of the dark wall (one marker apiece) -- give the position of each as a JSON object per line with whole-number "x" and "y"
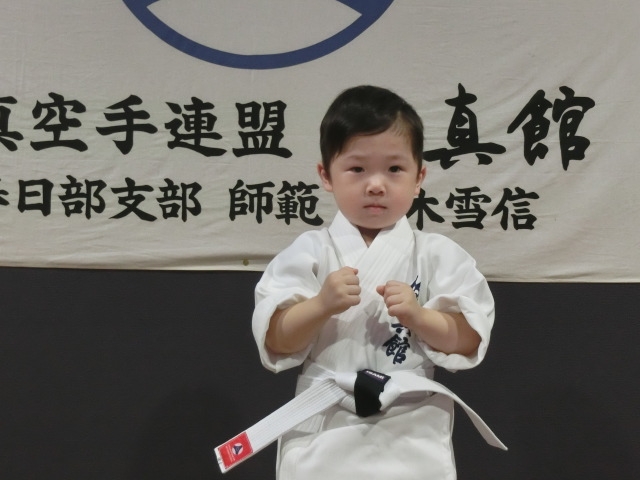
{"x": 135, "y": 375}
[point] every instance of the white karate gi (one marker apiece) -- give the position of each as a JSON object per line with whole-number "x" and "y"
{"x": 412, "y": 438}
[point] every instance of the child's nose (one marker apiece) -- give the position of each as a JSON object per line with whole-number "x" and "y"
{"x": 375, "y": 186}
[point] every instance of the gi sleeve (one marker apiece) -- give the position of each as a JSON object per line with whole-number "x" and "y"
{"x": 288, "y": 279}
{"x": 456, "y": 286}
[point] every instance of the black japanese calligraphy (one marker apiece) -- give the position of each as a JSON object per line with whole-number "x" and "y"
{"x": 265, "y": 135}
{"x": 253, "y": 198}
{"x": 536, "y": 129}
{"x": 294, "y": 201}
{"x": 58, "y": 109}
{"x": 261, "y": 131}
{"x": 398, "y": 345}
{"x": 35, "y": 195}
{"x": 128, "y": 116}
{"x": 82, "y": 198}
{"x": 177, "y": 200}
{"x": 132, "y": 197}
{"x": 466, "y": 205}
{"x": 463, "y": 135}
{"x": 420, "y": 206}
{"x": 298, "y": 202}
{"x": 262, "y": 127}
{"x": 568, "y": 112}
{"x": 198, "y": 124}
{"x": 520, "y": 214}
{"x": 7, "y": 136}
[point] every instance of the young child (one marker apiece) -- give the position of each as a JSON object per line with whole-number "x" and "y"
{"x": 368, "y": 292}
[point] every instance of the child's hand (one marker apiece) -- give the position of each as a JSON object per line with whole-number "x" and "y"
{"x": 401, "y": 302}
{"x": 340, "y": 290}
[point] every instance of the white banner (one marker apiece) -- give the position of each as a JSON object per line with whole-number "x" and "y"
{"x": 183, "y": 134}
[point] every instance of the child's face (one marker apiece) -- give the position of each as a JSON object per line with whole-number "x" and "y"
{"x": 374, "y": 180}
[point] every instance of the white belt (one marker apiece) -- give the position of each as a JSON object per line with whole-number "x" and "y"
{"x": 326, "y": 393}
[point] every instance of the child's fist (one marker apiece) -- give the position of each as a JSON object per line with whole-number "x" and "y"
{"x": 401, "y": 301}
{"x": 341, "y": 290}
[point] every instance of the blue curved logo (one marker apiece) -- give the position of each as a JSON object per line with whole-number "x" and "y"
{"x": 369, "y": 12}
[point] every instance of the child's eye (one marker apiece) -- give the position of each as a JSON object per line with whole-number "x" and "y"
{"x": 395, "y": 169}
{"x": 357, "y": 169}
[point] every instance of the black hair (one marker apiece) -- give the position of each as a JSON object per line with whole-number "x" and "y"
{"x": 368, "y": 110}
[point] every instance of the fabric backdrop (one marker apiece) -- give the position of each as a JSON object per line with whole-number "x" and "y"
{"x": 183, "y": 134}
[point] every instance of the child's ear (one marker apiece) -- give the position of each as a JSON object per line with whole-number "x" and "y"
{"x": 326, "y": 179}
{"x": 421, "y": 176}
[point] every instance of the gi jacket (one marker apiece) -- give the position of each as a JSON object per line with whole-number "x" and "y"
{"x": 412, "y": 438}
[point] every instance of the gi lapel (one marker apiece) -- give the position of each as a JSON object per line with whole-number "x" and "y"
{"x": 389, "y": 257}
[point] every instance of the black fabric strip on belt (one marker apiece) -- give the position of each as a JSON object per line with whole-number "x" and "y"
{"x": 367, "y": 389}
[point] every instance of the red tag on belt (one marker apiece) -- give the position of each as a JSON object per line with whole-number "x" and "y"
{"x": 231, "y": 453}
